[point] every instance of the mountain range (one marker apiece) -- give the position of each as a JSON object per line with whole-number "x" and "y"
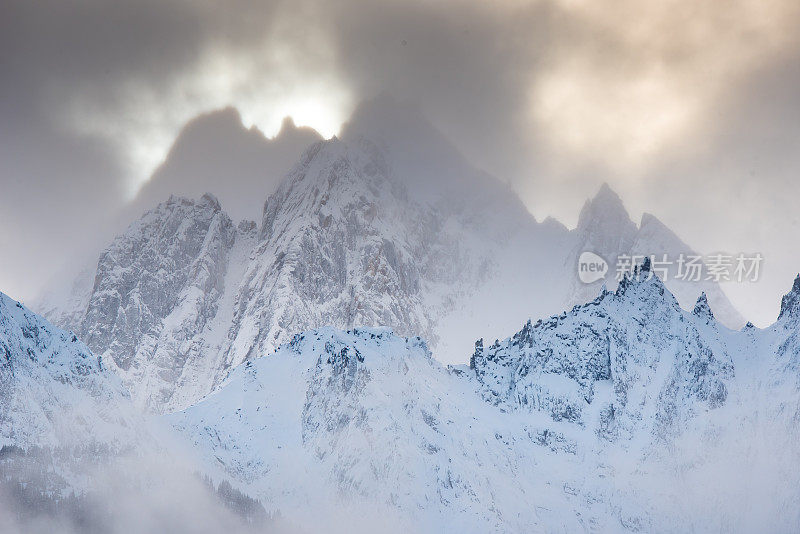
{"x": 604, "y": 418}
{"x": 354, "y": 359}
{"x": 389, "y": 225}
{"x": 626, "y": 413}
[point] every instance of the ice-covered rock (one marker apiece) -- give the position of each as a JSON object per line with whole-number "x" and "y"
{"x": 606, "y": 365}
{"x": 790, "y": 303}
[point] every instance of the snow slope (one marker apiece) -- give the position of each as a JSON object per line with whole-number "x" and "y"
{"x": 354, "y": 420}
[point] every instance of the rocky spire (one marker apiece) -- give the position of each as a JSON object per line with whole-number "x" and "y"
{"x": 646, "y": 266}
{"x": 211, "y": 201}
{"x": 477, "y": 355}
{"x": 701, "y": 308}
{"x": 790, "y": 304}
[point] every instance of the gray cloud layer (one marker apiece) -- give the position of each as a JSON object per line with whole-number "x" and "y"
{"x": 687, "y": 108}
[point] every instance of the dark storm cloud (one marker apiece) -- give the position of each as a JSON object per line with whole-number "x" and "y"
{"x": 55, "y": 182}
{"x": 59, "y": 186}
{"x": 468, "y": 66}
{"x": 549, "y": 92}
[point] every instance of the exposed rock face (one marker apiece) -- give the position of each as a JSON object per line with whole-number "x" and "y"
{"x": 790, "y": 303}
{"x": 786, "y": 343}
{"x": 157, "y": 286}
{"x": 702, "y": 308}
{"x": 343, "y": 244}
{"x": 183, "y": 296}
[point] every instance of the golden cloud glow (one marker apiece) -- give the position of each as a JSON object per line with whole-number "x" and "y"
{"x": 631, "y": 78}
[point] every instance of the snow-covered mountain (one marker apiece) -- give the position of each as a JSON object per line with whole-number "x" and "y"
{"x": 628, "y": 358}
{"x": 76, "y": 455}
{"x": 388, "y": 226}
{"x": 624, "y": 414}
{"x": 54, "y": 392}
{"x": 183, "y": 295}
{"x": 344, "y": 242}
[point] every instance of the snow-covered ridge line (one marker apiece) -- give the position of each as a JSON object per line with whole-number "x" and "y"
{"x": 534, "y": 435}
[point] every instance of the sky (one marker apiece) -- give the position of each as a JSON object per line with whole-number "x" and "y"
{"x": 690, "y": 109}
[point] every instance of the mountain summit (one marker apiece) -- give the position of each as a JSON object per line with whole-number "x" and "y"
{"x": 790, "y": 303}
{"x": 216, "y": 152}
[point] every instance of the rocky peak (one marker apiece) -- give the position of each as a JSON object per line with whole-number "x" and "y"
{"x": 287, "y": 126}
{"x": 217, "y": 152}
{"x": 606, "y": 229}
{"x": 702, "y": 308}
{"x": 554, "y": 366}
{"x": 643, "y": 284}
{"x": 173, "y": 258}
{"x": 210, "y": 201}
{"x": 332, "y": 177}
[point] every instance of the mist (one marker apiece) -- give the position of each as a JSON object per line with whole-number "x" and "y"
{"x": 129, "y": 493}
